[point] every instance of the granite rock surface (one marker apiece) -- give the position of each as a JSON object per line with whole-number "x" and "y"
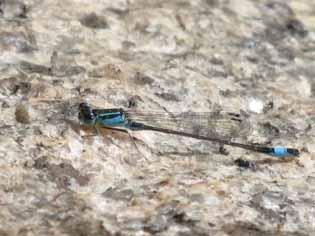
{"x": 58, "y": 177}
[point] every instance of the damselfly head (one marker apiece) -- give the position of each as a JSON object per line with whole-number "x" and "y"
{"x": 86, "y": 114}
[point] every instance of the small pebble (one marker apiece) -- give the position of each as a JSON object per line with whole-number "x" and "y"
{"x": 22, "y": 114}
{"x": 241, "y": 163}
{"x": 256, "y": 105}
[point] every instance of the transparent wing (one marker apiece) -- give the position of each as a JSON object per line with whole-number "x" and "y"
{"x": 212, "y": 124}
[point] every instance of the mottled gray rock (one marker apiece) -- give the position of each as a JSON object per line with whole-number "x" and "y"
{"x": 254, "y": 59}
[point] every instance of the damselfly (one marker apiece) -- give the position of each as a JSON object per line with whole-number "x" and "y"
{"x": 210, "y": 126}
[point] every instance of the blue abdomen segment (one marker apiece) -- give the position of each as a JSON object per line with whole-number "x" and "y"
{"x": 280, "y": 152}
{"x": 111, "y": 119}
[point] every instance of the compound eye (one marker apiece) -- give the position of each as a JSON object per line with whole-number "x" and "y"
{"x": 83, "y": 106}
{"x": 85, "y": 112}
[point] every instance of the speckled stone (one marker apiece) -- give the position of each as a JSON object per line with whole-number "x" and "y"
{"x": 251, "y": 58}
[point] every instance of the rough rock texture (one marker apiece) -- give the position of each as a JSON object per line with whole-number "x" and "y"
{"x": 249, "y": 57}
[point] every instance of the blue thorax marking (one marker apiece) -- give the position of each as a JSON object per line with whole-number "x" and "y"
{"x": 111, "y": 119}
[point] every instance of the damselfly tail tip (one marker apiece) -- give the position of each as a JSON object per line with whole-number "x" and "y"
{"x": 285, "y": 152}
{"x": 293, "y": 152}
